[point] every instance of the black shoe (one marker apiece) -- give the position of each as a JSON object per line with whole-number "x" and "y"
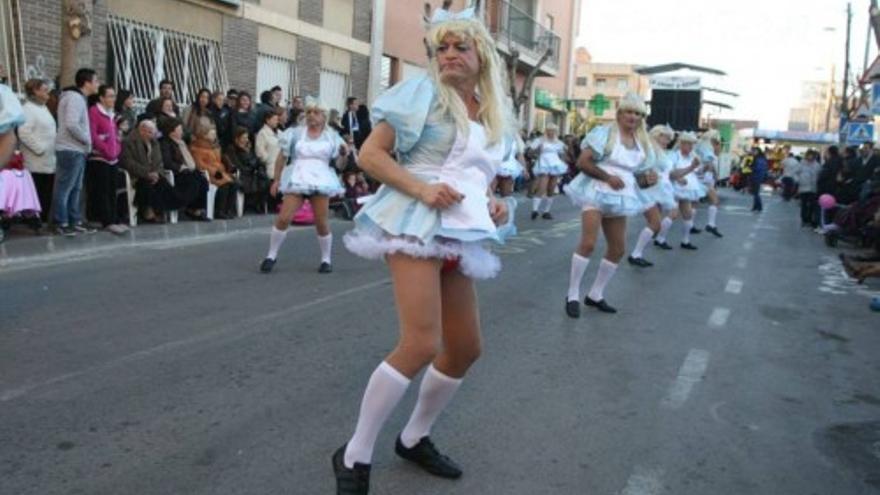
{"x": 267, "y": 265}
{"x": 642, "y": 262}
{"x": 547, "y": 216}
{"x": 689, "y": 246}
{"x": 695, "y": 230}
{"x": 426, "y": 456}
{"x": 325, "y": 267}
{"x": 573, "y": 308}
{"x": 354, "y": 481}
{"x": 600, "y": 305}
{"x": 534, "y": 215}
{"x": 714, "y": 231}
{"x": 663, "y": 245}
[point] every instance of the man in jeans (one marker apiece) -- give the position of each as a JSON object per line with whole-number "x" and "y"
{"x": 72, "y": 145}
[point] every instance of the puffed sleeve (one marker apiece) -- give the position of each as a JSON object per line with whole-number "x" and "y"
{"x": 337, "y": 141}
{"x": 287, "y": 141}
{"x": 705, "y": 152}
{"x": 596, "y": 140}
{"x": 11, "y": 114}
{"x": 405, "y": 107}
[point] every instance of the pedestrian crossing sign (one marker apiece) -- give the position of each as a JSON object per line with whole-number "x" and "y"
{"x": 859, "y": 133}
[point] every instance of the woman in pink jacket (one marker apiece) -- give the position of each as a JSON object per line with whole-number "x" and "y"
{"x": 101, "y": 169}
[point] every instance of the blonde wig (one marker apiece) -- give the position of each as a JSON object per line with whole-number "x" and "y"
{"x": 494, "y": 112}
{"x": 658, "y": 131}
{"x": 641, "y": 135}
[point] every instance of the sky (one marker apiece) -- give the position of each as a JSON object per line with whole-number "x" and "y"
{"x": 767, "y": 47}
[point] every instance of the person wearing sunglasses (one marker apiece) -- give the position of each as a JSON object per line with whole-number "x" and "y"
{"x": 607, "y": 192}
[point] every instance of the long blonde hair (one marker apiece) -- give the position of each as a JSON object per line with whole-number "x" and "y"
{"x": 641, "y": 135}
{"x": 493, "y": 113}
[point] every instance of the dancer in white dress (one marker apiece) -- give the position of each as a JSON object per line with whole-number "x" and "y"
{"x": 511, "y": 167}
{"x": 688, "y": 189}
{"x": 430, "y": 222}
{"x": 606, "y": 190}
{"x": 307, "y": 153}
{"x": 548, "y": 168}
{"x": 658, "y": 198}
{"x": 709, "y": 150}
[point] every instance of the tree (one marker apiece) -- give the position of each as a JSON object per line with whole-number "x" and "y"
{"x": 521, "y": 97}
{"x": 76, "y": 38}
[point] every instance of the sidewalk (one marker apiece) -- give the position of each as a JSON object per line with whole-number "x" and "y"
{"x": 23, "y": 250}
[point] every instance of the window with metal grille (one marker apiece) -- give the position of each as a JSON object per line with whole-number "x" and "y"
{"x": 334, "y": 89}
{"x": 386, "y": 72}
{"x": 142, "y": 55}
{"x": 276, "y": 71}
{"x": 12, "y": 60}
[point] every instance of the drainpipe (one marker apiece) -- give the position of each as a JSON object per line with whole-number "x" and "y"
{"x": 377, "y": 40}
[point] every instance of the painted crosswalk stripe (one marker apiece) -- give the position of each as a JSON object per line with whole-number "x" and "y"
{"x": 734, "y": 286}
{"x": 644, "y": 481}
{"x": 690, "y": 374}
{"x": 718, "y": 318}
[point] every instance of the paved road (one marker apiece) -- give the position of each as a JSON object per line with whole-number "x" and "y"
{"x": 747, "y": 367}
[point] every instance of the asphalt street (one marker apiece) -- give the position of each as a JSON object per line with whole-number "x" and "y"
{"x": 174, "y": 367}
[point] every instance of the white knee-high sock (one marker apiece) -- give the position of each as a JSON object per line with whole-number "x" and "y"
{"x": 384, "y": 390}
{"x": 548, "y": 202}
{"x": 664, "y": 229}
{"x": 606, "y": 271}
{"x": 579, "y": 265}
{"x": 435, "y": 393}
{"x": 713, "y": 215}
{"x": 326, "y": 244}
{"x": 536, "y": 203}
{"x": 688, "y": 225}
{"x": 644, "y": 239}
{"x": 276, "y": 239}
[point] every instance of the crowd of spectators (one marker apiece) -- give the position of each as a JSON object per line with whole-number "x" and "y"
{"x": 76, "y": 147}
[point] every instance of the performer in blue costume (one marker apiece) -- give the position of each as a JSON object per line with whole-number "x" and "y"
{"x": 11, "y": 117}
{"x": 657, "y": 198}
{"x": 688, "y": 188}
{"x": 431, "y": 222}
{"x": 511, "y": 167}
{"x": 307, "y": 154}
{"x": 548, "y": 168}
{"x": 709, "y": 149}
{"x": 607, "y": 191}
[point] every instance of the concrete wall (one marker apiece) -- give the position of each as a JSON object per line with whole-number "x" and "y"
{"x": 41, "y": 28}
{"x": 308, "y": 60}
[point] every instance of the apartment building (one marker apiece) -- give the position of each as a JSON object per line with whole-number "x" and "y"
{"x": 599, "y": 87}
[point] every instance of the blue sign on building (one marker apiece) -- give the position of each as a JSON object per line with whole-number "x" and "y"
{"x": 859, "y": 133}
{"x": 875, "y": 98}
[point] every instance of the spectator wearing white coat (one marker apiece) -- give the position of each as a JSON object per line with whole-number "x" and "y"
{"x": 37, "y": 138}
{"x": 807, "y": 176}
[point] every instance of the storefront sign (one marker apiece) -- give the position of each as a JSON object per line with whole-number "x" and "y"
{"x": 548, "y": 100}
{"x": 676, "y": 82}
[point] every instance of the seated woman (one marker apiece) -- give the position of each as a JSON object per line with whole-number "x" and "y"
{"x": 206, "y": 153}
{"x": 355, "y": 187}
{"x": 190, "y": 185}
{"x": 252, "y": 172}
{"x": 142, "y": 158}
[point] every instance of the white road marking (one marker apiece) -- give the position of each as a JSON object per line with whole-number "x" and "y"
{"x": 741, "y": 262}
{"x": 690, "y": 374}
{"x": 644, "y": 481}
{"x": 718, "y": 318}
{"x": 752, "y": 235}
{"x": 734, "y": 286}
{"x": 748, "y": 245}
{"x": 229, "y": 333}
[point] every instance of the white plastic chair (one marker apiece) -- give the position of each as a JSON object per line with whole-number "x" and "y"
{"x": 129, "y": 197}
{"x": 172, "y": 214}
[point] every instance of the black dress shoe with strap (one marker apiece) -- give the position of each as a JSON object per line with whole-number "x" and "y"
{"x": 714, "y": 231}
{"x": 353, "y": 481}
{"x": 573, "y": 309}
{"x": 663, "y": 245}
{"x": 601, "y": 305}
{"x": 642, "y": 262}
{"x": 688, "y": 246}
{"x": 267, "y": 265}
{"x": 426, "y": 456}
{"x": 325, "y": 267}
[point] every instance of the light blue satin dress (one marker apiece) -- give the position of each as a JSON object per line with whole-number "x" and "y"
{"x": 591, "y": 194}
{"x": 661, "y": 193}
{"x": 706, "y": 153}
{"x": 430, "y": 147}
{"x": 693, "y": 189}
{"x": 510, "y": 166}
{"x": 309, "y": 167}
{"x": 549, "y": 161}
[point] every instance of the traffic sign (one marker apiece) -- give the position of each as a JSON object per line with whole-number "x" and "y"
{"x": 875, "y": 98}
{"x": 859, "y": 133}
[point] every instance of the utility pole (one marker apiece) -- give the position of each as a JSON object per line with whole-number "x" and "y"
{"x": 844, "y": 106}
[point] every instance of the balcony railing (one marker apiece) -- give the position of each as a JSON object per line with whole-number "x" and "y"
{"x": 515, "y": 28}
